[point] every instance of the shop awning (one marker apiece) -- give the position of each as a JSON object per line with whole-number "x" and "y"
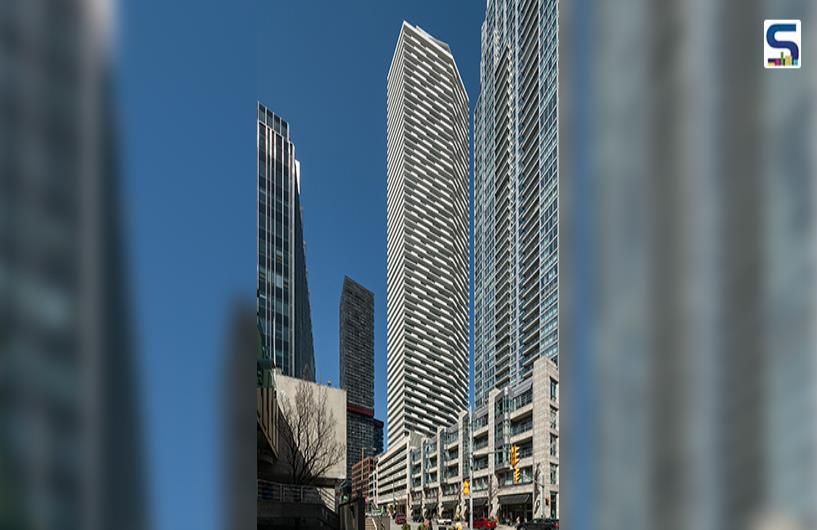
{"x": 478, "y": 501}
{"x": 519, "y": 498}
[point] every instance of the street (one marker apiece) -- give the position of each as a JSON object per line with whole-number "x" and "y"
{"x": 414, "y": 526}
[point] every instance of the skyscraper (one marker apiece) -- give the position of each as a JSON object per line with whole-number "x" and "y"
{"x": 515, "y": 194}
{"x": 283, "y": 293}
{"x": 71, "y": 453}
{"x": 357, "y": 343}
{"x": 428, "y": 196}
{"x": 357, "y": 370}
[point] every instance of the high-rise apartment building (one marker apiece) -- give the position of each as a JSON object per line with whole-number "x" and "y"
{"x": 363, "y": 437}
{"x": 283, "y": 294}
{"x": 357, "y": 343}
{"x": 377, "y": 436}
{"x": 515, "y": 194}
{"x": 428, "y": 270}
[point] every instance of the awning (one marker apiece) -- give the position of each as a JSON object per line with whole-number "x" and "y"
{"x": 478, "y": 501}
{"x": 519, "y": 498}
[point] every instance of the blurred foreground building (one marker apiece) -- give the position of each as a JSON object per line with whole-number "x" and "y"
{"x": 688, "y": 292}
{"x": 71, "y": 445}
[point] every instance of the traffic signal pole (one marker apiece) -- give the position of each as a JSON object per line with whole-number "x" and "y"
{"x": 470, "y": 471}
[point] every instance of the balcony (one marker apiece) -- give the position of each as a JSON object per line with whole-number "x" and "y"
{"x": 522, "y": 411}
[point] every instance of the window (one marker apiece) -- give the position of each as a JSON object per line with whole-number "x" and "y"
{"x": 554, "y": 474}
{"x": 522, "y": 426}
{"x": 554, "y": 445}
{"x": 524, "y": 399}
{"x": 554, "y": 389}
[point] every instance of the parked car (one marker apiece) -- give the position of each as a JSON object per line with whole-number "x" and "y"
{"x": 539, "y": 524}
{"x": 399, "y": 518}
{"x": 443, "y": 521}
{"x": 484, "y": 522}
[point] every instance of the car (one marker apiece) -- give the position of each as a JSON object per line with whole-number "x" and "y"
{"x": 539, "y": 524}
{"x": 443, "y": 521}
{"x": 484, "y": 522}
{"x": 399, "y": 518}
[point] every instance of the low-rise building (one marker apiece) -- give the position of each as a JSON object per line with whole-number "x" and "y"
{"x": 423, "y": 476}
{"x": 392, "y": 473}
{"x": 362, "y": 478}
{"x": 287, "y": 494}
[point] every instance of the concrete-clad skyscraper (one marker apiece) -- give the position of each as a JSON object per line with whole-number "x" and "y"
{"x": 515, "y": 194}
{"x": 283, "y": 295}
{"x": 428, "y": 273}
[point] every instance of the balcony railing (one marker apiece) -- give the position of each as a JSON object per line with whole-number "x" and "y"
{"x": 288, "y": 493}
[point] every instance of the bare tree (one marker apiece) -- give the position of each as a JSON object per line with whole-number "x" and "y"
{"x": 491, "y": 496}
{"x": 311, "y": 438}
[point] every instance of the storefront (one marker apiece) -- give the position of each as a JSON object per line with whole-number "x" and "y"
{"x": 516, "y": 507}
{"x": 481, "y": 507}
{"x": 449, "y": 509}
{"x": 416, "y": 510}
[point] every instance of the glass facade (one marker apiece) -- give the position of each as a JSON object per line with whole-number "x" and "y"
{"x": 283, "y": 296}
{"x": 515, "y": 194}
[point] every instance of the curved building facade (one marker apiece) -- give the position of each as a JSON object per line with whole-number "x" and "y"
{"x": 428, "y": 205}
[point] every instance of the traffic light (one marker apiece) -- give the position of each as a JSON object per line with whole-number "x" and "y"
{"x": 466, "y": 488}
{"x": 514, "y": 456}
{"x": 516, "y": 475}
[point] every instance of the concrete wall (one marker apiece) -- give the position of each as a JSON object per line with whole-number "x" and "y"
{"x": 336, "y": 401}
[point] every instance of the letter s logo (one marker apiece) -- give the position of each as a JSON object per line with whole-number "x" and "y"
{"x": 775, "y": 49}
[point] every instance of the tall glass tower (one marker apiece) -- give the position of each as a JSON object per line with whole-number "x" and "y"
{"x": 427, "y": 297}
{"x": 516, "y": 194}
{"x": 284, "y": 314}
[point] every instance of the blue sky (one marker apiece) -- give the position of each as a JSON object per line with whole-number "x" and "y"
{"x": 189, "y": 76}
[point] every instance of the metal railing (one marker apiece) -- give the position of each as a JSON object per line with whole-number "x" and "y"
{"x": 288, "y": 493}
